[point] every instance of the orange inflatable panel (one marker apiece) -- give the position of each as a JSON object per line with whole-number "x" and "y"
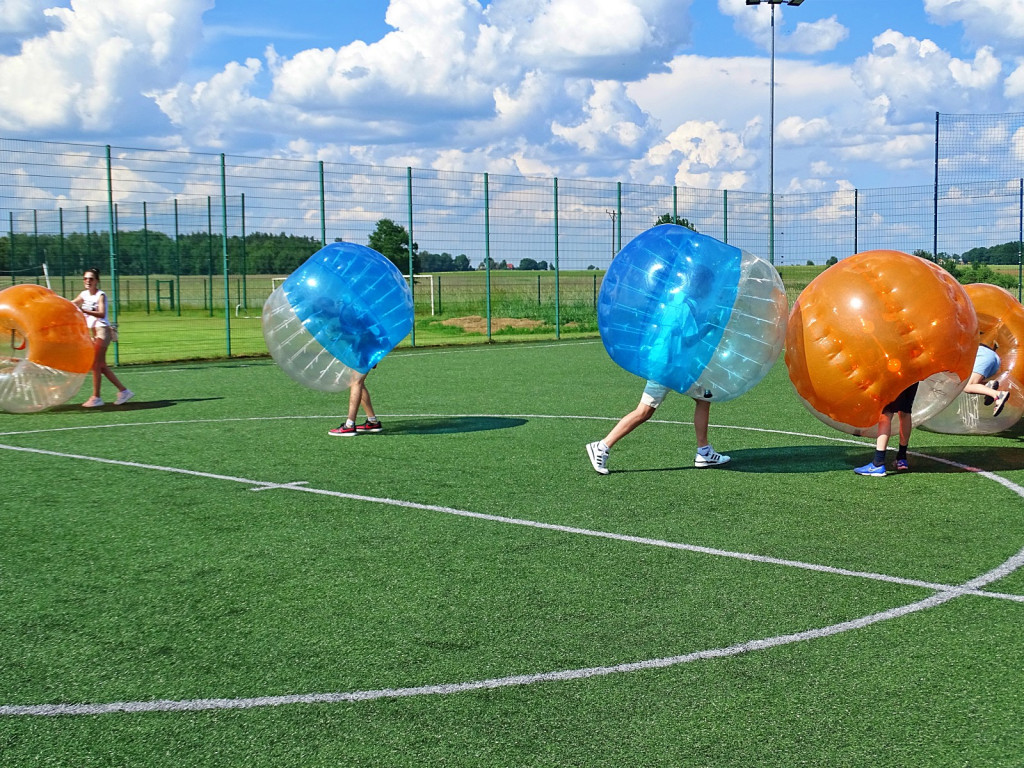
{"x": 54, "y": 329}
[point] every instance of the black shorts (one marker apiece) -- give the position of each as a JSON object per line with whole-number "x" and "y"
{"x": 904, "y": 403}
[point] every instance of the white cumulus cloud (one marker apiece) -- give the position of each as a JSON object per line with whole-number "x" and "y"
{"x": 916, "y": 77}
{"x": 86, "y": 66}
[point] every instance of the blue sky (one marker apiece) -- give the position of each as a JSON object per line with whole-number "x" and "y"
{"x": 647, "y": 91}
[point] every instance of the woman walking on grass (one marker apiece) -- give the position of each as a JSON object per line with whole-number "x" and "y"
{"x": 93, "y": 303}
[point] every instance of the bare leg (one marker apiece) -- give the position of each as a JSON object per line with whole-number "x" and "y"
{"x": 975, "y": 387}
{"x": 628, "y": 423}
{"x": 906, "y": 424}
{"x": 367, "y": 405}
{"x": 884, "y": 429}
{"x": 701, "y": 416}
{"x": 101, "y": 369}
{"x": 355, "y": 397}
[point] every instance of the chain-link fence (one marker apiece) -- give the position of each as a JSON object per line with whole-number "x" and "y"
{"x": 200, "y": 240}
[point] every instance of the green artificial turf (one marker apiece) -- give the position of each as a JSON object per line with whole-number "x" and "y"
{"x": 155, "y": 551}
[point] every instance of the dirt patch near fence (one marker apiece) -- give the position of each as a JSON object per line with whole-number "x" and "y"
{"x": 477, "y": 324}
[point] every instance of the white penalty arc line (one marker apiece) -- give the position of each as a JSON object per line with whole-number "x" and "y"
{"x": 943, "y": 593}
{"x": 195, "y": 705}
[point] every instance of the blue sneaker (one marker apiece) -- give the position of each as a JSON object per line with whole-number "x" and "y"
{"x": 870, "y": 470}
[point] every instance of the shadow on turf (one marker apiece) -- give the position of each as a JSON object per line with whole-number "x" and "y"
{"x": 806, "y": 459}
{"x": 444, "y": 425}
{"x": 134, "y": 405}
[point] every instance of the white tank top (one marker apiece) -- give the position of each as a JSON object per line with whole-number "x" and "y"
{"x": 91, "y": 302}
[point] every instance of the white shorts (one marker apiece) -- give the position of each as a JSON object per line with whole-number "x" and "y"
{"x": 654, "y": 394}
{"x": 105, "y": 333}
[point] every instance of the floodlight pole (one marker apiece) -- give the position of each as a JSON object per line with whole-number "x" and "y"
{"x": 771, "y": 128}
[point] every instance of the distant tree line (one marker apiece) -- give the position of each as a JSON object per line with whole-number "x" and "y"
{"x": 198, "y": 253}
{"x": 392, "y": 240}
{"x": 148, "y": 251}
{"x": 977, "y": 271}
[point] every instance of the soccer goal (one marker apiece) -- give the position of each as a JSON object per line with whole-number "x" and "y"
{"x": 426, "y": 281}
{"x": 275, "y": 282}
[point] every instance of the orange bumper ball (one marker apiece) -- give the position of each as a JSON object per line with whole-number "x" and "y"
{"x": 870, "y": 326}
{"x": 52, "y": 349}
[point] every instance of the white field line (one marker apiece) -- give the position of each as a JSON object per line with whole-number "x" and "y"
{"x": 195, "y": 705}
{"x": 943, "y": 592}
{"x": 301, "y": 486}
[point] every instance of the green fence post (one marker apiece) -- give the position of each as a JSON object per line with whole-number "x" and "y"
{"x": 145, "y": 249}
{"x": 412, "y": 282}
{"x": 35, "y": 236}
{"x": 1020, "y": 240}
{"x": 935, "y": 197}
{"x": 487, "y": 251}
{"x": 63, "y": 271}
{"x": 224, "y": 252}
{"x": 177, "y": 258}
{"x": 439, "y": 309}
{"x": 558, "y": 292}
{"x": 323, "y": 209}
{"x": 112, "y": 243}
{"x": 856, "y": 203}
{"x": 88, "y": 242}
{"x": 675, "y": 204}
{"x": 10, "y": 233}
{"x": 538, "y": 290}
{"x": 618, "y": 242}
{"x": 725, "y": 215}
{"x": 208, "y": 287}
{"x": 245, "y": 263}
{"x": 117, "y": 251}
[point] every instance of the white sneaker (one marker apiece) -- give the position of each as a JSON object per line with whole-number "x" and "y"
{"x": 92, "y": 402}
{"x": 124, "y": 396}
{"x": 598, "y": 458}
{"x": 713, "y": 459}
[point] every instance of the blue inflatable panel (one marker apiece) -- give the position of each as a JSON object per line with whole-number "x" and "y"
{"x": 665, "y": 303}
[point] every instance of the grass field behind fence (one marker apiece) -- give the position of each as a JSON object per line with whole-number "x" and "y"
{"x": 451, "y": 308}
{"x": 254, "y": 592}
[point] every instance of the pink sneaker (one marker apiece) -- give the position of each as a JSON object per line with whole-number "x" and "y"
{"x": 92, "y": 402}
